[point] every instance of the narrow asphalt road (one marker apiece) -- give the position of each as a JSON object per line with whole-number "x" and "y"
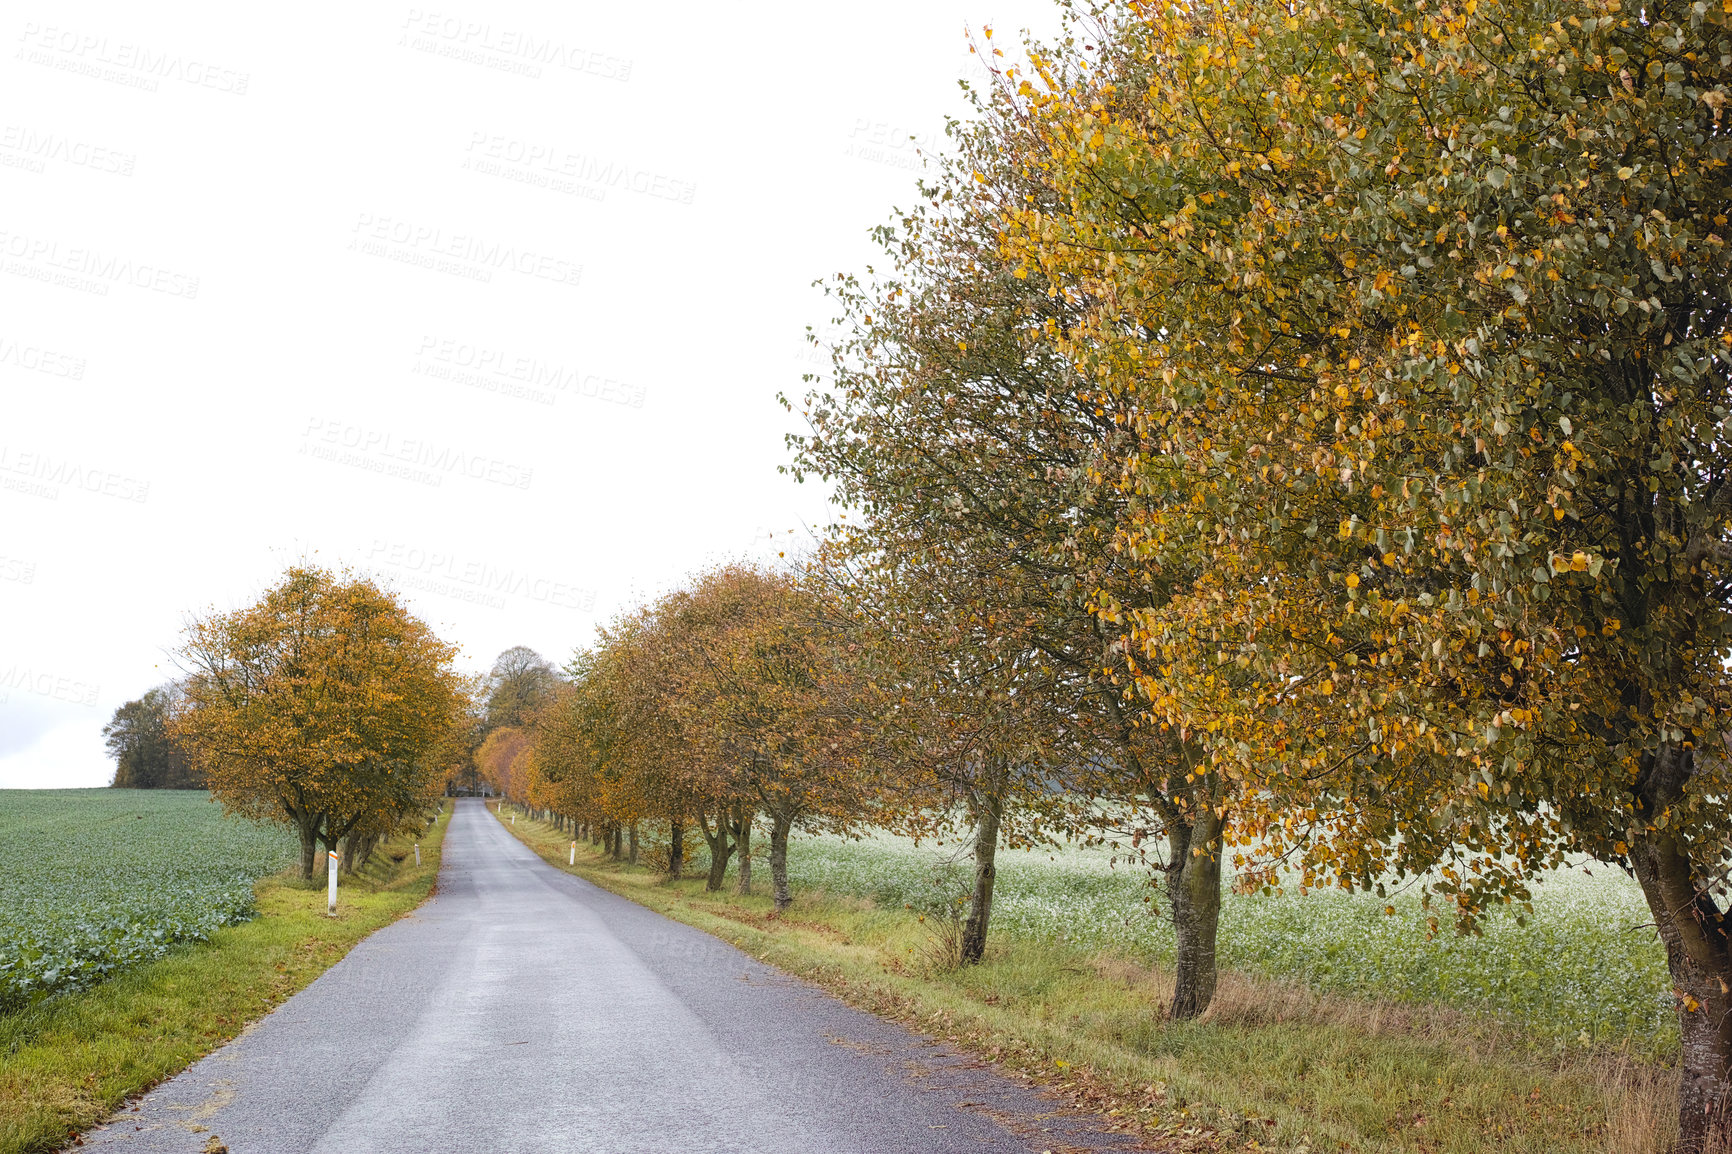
{"x": 523, "y": 1009}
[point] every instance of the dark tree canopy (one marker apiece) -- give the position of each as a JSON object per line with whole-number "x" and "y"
{"x": 520, "y": 682}
{"x": 145, "y": 755}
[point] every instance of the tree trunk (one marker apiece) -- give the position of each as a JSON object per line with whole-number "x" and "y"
{"x": 330, "y": 841}
{"x": 1194, "y": 889}
{"x": 307, "y": 826}
{"x": 1698, "y": 953}
{"x": 781, "y": 821}
{"x": 631, "y": 854}
{"x": 357, "y": 851}
{"x": 720, "y": 847}
{"x": 742, "y": 830}
{"x": 676, "y": 848}
{"x": 718, "y": 865}
{"x": 988, "y": 806}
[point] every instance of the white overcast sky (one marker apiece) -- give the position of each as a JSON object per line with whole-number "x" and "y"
{"x": 492, "y": 300}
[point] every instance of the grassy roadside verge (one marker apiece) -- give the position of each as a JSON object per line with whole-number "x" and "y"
{"x": 67, "y": 1063}
{"x": 1271, "y": 1067}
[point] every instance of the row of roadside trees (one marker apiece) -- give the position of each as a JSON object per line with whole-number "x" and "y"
{"x": 758, "y": 701}
{"x": 730, "y": 700}
{"x": 1279, "y": 434}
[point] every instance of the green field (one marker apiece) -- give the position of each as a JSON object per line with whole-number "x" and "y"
{"x": 94, "y": 881}
{"x": 1587, "y": 968}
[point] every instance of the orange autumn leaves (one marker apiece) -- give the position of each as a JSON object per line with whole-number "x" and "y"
{"x": 734, "y": 696}
{"x": 326, "y": 705}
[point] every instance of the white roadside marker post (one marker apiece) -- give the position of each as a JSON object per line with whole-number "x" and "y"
{"x": 417, "y": 853}
{"x": 573, "y": 853}
{"x": 331, "y": 892}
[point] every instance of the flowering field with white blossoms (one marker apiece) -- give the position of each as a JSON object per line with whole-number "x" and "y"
{"x": 1586, "y": 966}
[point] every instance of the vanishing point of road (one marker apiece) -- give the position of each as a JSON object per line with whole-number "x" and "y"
{"x": 524, "y": 1009}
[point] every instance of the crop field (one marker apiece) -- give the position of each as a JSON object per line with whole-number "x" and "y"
{"x": 1587, "y": 968}
{"x": 93, "y": 881}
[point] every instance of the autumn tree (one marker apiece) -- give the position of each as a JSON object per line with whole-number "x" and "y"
{"x": 1423, "y": 309}
{"x": 456, "y": 752}
{"x": 502, "y": 761}
{"x": 319, "y": 706}
{"x": 968, "y": 449}
{"x": 816, "y": 771}
{"x": 783, "y": 704}
{"x": 579, "y": 765}
{"x": 510, "y": 700}
{"x": 563, "y": 761}
{"x": 146, "y": 755}
{"x": 958, "y": 741}
{"x": 611, "y": 752}
{"x": 710, "y": 697}
{"x": 653, "y": 745}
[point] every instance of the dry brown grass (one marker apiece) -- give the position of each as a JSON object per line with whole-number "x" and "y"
{"x": 1640, "y": 1097}
{"x": 1641, "y": 1106}
{"x": 1248, "y": 1001}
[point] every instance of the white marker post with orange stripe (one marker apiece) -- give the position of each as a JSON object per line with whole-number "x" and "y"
{"x": 331, "y": 893}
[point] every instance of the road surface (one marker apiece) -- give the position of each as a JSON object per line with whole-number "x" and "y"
{"x": 523, "y": 1009}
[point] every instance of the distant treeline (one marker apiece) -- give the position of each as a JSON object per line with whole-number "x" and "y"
{"x": 146, "y": 756}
